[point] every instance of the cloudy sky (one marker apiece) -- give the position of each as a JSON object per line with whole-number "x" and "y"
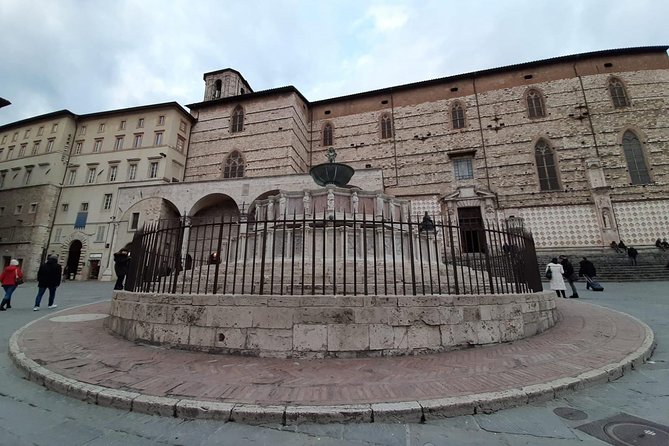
{"x": 94, "y": 55}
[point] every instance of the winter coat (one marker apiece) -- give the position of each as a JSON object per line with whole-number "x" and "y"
{"x": 632, "y": 253}
{"x": 8, "y": 276}
{"x": 121, "y": 263}
{"x": 557, "y": 282}
{"x": 587, "y": 269}
{"x": 568, "y": 269}
{"x": 49, "y": 273}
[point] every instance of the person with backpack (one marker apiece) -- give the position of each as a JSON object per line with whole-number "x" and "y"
{"x": 11, "y": 278}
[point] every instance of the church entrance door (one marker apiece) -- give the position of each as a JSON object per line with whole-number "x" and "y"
{"x": 472, "y": 236}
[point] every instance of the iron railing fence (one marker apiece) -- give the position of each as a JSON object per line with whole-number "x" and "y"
{"x": 332, "y": 254}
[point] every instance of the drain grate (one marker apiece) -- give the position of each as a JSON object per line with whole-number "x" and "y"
{"x": 627, "y": 430}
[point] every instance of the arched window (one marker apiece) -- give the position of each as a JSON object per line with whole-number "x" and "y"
{"x": 386, "y": 127}
{"x": 458, "y": 116}
{"x": 218, "y": 85}
{"x": 234, "y": 166}
{"x": 535, "y": 104}
{"x": 327, "y": 134}
{"x": 618, "y": 93}
{"x": 546, "y": 166}
{"x": 636, "y": 164}
{"x": 237, "y": 120}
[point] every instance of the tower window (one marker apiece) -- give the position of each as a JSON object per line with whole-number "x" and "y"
{"x": 636, "y": 163}
{"x": 327, "y": 134}
{"x": 234, "y": 166}
{"x": 386, "y": 127}
{"x": 458, "y": 116}
{"x": 535, "y": 104}
{"x": 618, "y": 93}
{"x": 237, "y": 120}
{"x": 546, "y": 166}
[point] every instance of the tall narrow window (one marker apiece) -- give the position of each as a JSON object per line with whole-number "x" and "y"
{"x": 35, "y": 148}
{"x": 636, "y": 163}
{"x": 121, "y": 126}
{"x": 137, "y": 142}
{"x": 618, "y": 93}
{"x": 28, "y": 175}
{"x": 132, "y": 171}
{"x": 218, "y": 85}
{"x": 134, "y": 221}
{"x": 458, "y": 116}
{"x": 92, "y": 173}
{"x": 140, "y": 123}
{"x": 72, "y": 177}
{"x": 234, "y": 166}
{"x": 153, "y": 169}
{"x": 113, "y": 171}
{"x": 49, "y": 145}
{"x": 546, "y": 166}
{"x": 161, "y": 120}
{"x": 181, "y": 142}
{"x": 40, "y": 131}
{"x": 535, "y": 104}
{"x": 386, "y": 127}
{"x": 327, "y": 134}
{"x": 77, "y": 147}
{"x": 3, "y": 176}
{"x": 107, "y": 202}
{"x": 22, "y": 149}
{"x": 100, "y": 236}
{"x": 97, "y": 145}
{"x": 237, "y": 120}
{"x": 158, "y": 140}
{"x": 118, "y": 144}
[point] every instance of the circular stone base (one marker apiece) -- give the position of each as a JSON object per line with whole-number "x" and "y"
{"x": 328, "y": 326}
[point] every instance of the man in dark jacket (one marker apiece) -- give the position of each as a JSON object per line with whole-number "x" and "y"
{"x": 632, "y": 253}
{"x": 587, "y": 269}
{"x": 121, "y": 264}
{"x": 48, "y": 277}
{"x": 569, "y": 275}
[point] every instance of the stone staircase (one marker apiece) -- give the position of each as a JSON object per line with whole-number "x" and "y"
{"x": 612, "y": 266}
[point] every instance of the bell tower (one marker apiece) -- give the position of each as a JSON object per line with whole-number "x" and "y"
{"x": 224, "y": 83}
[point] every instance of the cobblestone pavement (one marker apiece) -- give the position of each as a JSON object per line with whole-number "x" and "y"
{"x": 31, "y": 414}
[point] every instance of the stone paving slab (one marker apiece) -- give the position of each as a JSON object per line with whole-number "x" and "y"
{"x": 70, "y": 352}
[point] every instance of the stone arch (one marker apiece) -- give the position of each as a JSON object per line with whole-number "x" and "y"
{"x": 76, "y": 237}
{"x": 147, "y": 209}
{"x": 263, "y": 196}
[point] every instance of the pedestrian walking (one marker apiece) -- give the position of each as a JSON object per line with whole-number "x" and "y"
{"x": 48, "y": 277}
{"x": 121, "y": 265}
{"x": 587, "y": 269}
{"x": 11, "y": 278}
{"x": 569, "y": 275}
{"x": 556, "y": 272}
{"x": 632, "y": 253}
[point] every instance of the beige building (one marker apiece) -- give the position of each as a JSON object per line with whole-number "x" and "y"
{"x": 33, "y": 157}
{"x": 576, "y": 148}
{"x": 61, "y": 174}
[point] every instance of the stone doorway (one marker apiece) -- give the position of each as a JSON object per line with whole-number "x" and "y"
{"x": 472, "y": 235}
{"x": 73, "y": 257}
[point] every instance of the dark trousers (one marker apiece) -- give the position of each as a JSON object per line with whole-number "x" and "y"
{"x": 40, "y": 293}
{"x": 119, "y": 282}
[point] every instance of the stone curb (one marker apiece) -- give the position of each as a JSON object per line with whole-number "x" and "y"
{"x": 391, "y": 412}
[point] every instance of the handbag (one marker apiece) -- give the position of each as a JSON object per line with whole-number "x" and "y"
{"x": 18, "y": 280}
{"x": 549, "y": 274}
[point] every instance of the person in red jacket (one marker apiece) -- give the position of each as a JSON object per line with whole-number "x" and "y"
{"x": 10, "y": 278}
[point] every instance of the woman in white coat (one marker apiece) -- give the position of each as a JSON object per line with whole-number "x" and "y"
{"x": 557, "y": 281}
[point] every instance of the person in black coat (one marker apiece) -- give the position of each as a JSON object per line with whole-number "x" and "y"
{"x": 48, "y": 277}
{"x": 569, "y": 275}
{"x": 632, "y": 253}
{"x": 121, "y": 265}
{"x": 587, "y": 269}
